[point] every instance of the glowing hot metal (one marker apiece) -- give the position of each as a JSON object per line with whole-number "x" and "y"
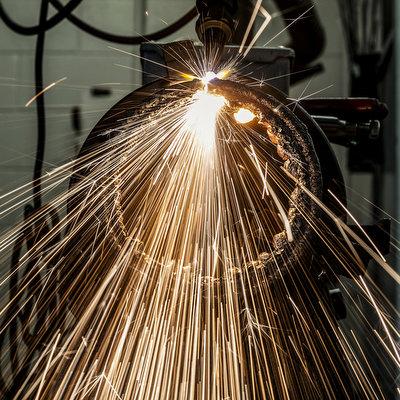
{"x": 244, "y": 116}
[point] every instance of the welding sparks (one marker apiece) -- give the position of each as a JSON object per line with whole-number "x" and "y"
{"x": 208, "y": 77}
{"x": 169, "y": 245}
{"x": 201, "y": 117}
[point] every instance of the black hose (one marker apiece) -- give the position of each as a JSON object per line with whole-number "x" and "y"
{"x": 40, "y": 108}
{"x": 30, "y": 234}
{"x": 64, "y": 11}
{"x": 307, "y": 34}
{"x": 128, "y": 40}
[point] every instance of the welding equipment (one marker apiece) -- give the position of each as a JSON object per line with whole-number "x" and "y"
{"x": 215, "y": 24}
{"x": 215, "y": 27}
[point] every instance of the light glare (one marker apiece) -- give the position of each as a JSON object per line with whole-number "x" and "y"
{"x": 201, "y": 117}
{"x": 244, "y": 116}
{"x": 208, "y": 77}
{"x": 223, "y": 74}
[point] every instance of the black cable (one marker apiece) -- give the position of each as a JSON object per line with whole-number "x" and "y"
{"x": 31, "y": 233}
{"x": 131, "y": 40}
{"x": 40, "y": 107}
{"x": 64, "y": 11}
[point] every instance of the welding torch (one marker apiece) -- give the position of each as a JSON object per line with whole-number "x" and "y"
{"x": 215, "y": 26}
{"x": 222, "y": 22}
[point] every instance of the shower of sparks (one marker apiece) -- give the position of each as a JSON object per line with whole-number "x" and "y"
{"x": 148, "y": 297}
{"x": 153, "y": 287}
{"x": 201, "y": 117}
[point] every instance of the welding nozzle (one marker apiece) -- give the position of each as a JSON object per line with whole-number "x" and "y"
{"x": 215, "y": 26}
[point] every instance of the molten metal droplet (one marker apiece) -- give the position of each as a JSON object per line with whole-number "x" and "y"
{"x": 243, "y": 116}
